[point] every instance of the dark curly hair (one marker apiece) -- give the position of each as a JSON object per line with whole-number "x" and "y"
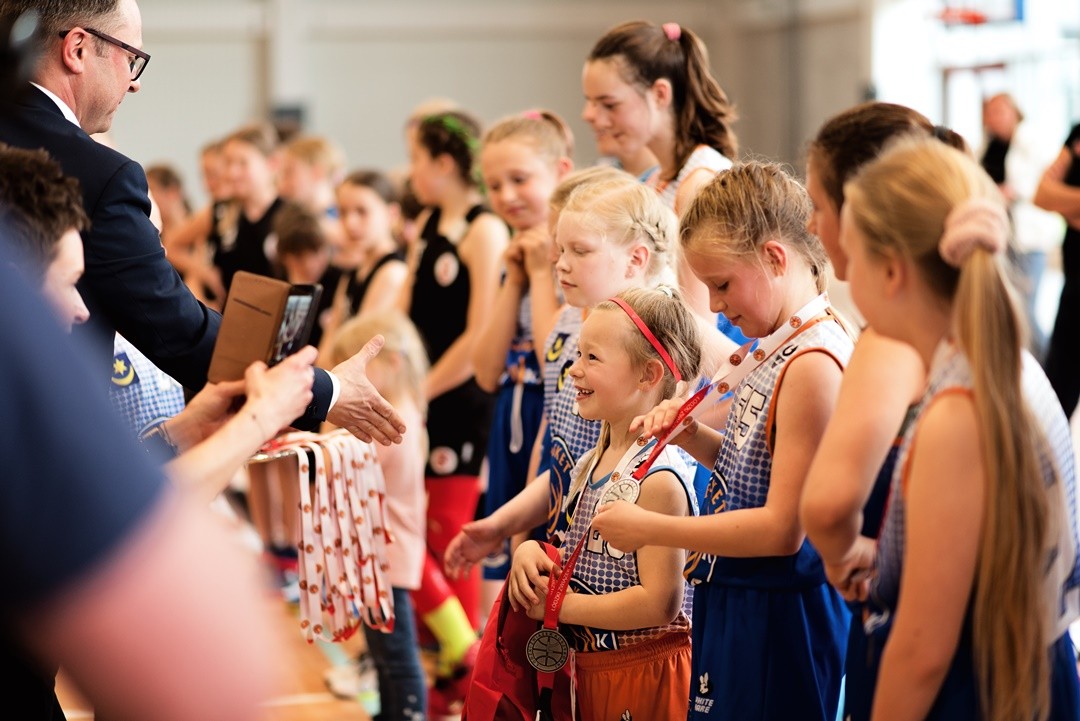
{"x": 38, "y": 204}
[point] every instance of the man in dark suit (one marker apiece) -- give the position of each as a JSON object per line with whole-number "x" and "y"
{"x": 90, "y": 60}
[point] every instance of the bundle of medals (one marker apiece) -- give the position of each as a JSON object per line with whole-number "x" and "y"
{"x": 344, "y": 571}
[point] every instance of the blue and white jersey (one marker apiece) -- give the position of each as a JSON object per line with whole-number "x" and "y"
{"x": 602, "y": 569}
{"x": 571, "y": 435}
{"x": 521, "y": 362}
{"x": 743, "y": 468}
{"x": 142, "y": 393}
{"x": 951, "y": 372}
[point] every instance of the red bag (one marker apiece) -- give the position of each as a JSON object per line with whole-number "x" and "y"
{"x": 504, "y": 686}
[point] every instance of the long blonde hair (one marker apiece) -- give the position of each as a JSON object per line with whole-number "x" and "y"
{"x": 900, "y": 203}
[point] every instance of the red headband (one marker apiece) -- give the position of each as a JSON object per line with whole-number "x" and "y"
{"x": 648, "y": 336}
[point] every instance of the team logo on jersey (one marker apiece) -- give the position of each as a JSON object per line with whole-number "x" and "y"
{"x": 626, "y": 716}
{"x": 555, "y": 349}
{"x": 563, "y": 373}
{"x": 447, "y": 267}
{"x": 443, "y": 460}
{"x": 123, "y": 372}
{"x": 704, "y": 685}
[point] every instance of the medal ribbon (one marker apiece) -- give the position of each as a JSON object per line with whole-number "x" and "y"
{"x": 733, "y": 371}
{"x": 557, "y": 591}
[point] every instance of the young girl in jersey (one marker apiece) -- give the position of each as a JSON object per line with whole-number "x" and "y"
{"x": 367, "y": 205}
{"x": 451, "y": 285}
{"x": 650, "y": 86}
{"x": 844, "y": 497}
{"x": 626, "y": 619}
{"x": 251, "y": 166}
{"x": 523, "y": 159}
{"x": 398, "y": 374}
{"x": 976, "y": 576}
{"x": 768, "y": 629}
{"x": 612, "y": 234}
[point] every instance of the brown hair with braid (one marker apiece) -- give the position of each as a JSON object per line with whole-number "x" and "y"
{"x": 746, "y": 206}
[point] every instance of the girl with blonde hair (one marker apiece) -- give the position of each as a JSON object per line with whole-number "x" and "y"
{"x": 976, "y": 573}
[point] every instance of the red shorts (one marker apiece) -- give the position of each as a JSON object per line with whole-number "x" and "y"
{"x": 649, "y": 681}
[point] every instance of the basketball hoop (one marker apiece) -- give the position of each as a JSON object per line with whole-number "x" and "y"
{"x": 962, "y": 16}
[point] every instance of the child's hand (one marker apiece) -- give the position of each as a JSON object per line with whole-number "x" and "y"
{"x": 622, "y": 525}
{"x": 471, "y": 545}
{"x": 537, "y": 610}
{"x": 529, "y": 574}
{"x": 657, "y": 421}
{"x": 852, "y": 576}
{"x": 536, "y": 250}
{"x": 513, "y": 259}
{"x": 279, "y": 395}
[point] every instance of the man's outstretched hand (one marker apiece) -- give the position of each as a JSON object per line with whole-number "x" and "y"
{"x": 359, "y": 408}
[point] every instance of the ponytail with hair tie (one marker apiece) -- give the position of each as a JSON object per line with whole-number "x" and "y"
{"x": 974, "y": 223}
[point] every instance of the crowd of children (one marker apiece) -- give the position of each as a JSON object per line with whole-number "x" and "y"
{"x": 886, "y": 523}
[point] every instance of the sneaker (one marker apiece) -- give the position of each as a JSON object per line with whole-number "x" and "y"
{"x": 352, "y": 679}
{"x": 446, "y": 697}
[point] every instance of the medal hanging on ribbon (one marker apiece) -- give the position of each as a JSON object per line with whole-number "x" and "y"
{"x": 733, "y": 372}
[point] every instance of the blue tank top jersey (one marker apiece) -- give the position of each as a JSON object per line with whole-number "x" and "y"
{"x": 743, "y": 467}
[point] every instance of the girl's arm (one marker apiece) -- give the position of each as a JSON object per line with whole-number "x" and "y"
{"x": 385, "y": 287}
{"x": 857, "y": 440}
{"x": 180, "y": 242}
{"x": 804, "y": 404}
{"x": 1054, "y": 195}
{"x": 659, "y": 597}
{"x": 536, "y": 252}
{"x": 412, "y": 261}
{"x": 477, "y": 539}
{"x": 941, "y": 543}
{"x": 275, "y": 397}
{"x": 339, "y": 311}
{"x": 493, "y": 342}
{"x": 481, "y": 251}
{"x": 693, "y": 290}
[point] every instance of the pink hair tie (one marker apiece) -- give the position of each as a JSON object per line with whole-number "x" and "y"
{"x": 974, "y": 223}
{"x": 532, "y": 115}
{"x": 673, "y": 31}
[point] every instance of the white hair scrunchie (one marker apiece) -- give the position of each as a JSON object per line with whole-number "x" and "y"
{"x": 974, "y": 223}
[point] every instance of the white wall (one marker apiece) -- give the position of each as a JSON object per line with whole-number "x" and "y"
{"x": 359, "y": 66}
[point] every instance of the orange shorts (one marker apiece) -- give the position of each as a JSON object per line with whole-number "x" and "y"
{"x": 649, "y": 681}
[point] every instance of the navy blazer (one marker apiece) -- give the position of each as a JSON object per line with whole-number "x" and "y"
{"x": 129, "y": 286}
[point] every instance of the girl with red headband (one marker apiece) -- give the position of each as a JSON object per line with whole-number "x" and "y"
{"x": 628, "y": 616}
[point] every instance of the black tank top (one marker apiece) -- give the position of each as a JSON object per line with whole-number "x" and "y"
{"x": 358, "y": 287}
{"x": 440, "y": 294}
{"x": 246, "y": 251}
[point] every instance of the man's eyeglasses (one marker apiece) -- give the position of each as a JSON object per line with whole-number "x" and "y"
{"x": 137, "y": 63}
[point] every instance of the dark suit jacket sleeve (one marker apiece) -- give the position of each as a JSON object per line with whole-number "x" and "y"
{"x": 323, "y": 391}
{"x": 130, "y": 284}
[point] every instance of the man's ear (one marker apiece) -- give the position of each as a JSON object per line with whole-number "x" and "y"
{"x": 74, "y": 48}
